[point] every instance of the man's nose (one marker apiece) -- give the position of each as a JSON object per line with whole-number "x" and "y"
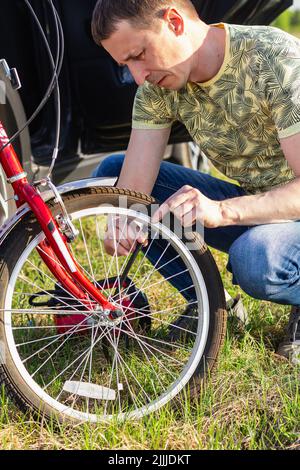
{"x": 139, "y": 73}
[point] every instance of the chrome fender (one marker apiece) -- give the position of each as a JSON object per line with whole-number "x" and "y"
{"x": 48, "y": 195}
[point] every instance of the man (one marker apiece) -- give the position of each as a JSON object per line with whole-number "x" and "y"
{"x": 236, "y": 89}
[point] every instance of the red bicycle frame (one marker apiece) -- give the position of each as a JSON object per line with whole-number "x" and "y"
{"x": 53, "y": 249}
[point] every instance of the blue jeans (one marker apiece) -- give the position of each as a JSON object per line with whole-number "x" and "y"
{"x": 264, "y": 260}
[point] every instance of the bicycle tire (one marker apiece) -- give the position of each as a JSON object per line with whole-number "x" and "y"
{"x": 27, "y": 230}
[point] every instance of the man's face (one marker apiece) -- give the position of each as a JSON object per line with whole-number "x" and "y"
{"x": 160, "y": 55}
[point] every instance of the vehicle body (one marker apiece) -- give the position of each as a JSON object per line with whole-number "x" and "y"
{"x": 97, "y": 94}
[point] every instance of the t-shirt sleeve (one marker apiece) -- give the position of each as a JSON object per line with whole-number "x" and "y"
{"x": 281, "y": 75}
{"x": 152, "y": 108}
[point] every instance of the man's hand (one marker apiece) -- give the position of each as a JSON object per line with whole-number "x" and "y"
{"x": 122, "y": 234}
{"x": 190, "y": 205}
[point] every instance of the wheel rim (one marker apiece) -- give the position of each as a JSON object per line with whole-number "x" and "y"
{"x": 126, "y": 372}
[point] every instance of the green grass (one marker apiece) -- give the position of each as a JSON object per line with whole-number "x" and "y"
{"x": 251, "y": 401}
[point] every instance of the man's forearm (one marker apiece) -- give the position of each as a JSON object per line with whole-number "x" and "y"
{"x": 140, "y": 178}
{"x": 275, "y": 206}
{"x": 143, "y": 158}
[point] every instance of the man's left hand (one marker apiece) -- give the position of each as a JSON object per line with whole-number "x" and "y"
{"x": 189, "y": 205}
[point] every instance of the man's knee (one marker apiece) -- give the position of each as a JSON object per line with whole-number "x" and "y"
{"x": 238, "y": 265}
{"x": 110, "y": 166}
{"x": 261, "y": 264}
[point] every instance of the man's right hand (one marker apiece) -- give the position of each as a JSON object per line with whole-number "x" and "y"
{"x": 139, "y": 173}
{"x": 122, "y": 235}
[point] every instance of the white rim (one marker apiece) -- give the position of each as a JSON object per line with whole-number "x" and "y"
{"x": 198, "y": 348}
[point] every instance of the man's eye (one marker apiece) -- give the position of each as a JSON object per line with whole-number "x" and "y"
{"x": 140, "y": 56}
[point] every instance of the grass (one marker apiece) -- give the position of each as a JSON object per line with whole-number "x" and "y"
{"x": 251, "y": 401}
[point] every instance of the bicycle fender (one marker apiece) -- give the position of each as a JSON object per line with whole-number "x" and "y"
{"x": 48, "y": 195}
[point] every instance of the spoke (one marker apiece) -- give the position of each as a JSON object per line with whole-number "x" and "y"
{"x": 159, "y": 351}
{"x": 153, "y": 285}
{"x": 43, "y": 327}
{"x": 87, "y": 252}
{"x": 48, "y": 293}
{"x": 151, "y": 315}
{"x": 152, "y": 271}
{"x": 117, "y": 280}
{"x": 85, "y": 353}
{"x": 50, "y": 337}
{"x": 178, "y": 292}
{"x": 77, "y": 368}
{"x": 157, "y": 359}
{"x": 114, "y": 364}
{"x": 75, "y": 360}
{"x": 141, "y": 261}
{"x": 115, "y": 359}
{"x": 56, "y": 260}
{"x": 60, "y": 346}
{"x": 114, "y": 255}
{"x": 132, "y": 394}
{"x": 89, "y": 275}
{"x": 117, "y": 375}
{"x": 162, "y": 280}
{"x": 62, "y": 287}
{"x": 125, "y": 262}
{"x": 49, "y": 344}
{"x": 47, "y": 327}
{"x": 101, "y": 249}
{"x": 28, "y": 294}
{"x": 84, "y": 369}
{"x": 55, "y": 338}
{"x": 153, "y": 268}
{"x": 20, "y": 311}
{"x": 173, "y": 345}
{"x": 117, "y": 262}
{"x": 143, "y": 310}
{"x": 130, "y": 371}
{"x": 78, "y": 305}
{"x": 140, "y": 343}
{"x": 173, "y": 326}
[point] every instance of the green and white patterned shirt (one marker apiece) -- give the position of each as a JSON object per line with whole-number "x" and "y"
{"x": 239, "y": 115}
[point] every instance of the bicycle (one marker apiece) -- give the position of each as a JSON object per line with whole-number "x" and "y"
{"x": 85, "y": 336}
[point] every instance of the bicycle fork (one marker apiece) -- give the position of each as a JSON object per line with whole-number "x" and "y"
{"x": 53, "y": 250}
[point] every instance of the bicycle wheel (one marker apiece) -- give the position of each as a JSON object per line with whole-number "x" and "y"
{"x": 61, "y": 361}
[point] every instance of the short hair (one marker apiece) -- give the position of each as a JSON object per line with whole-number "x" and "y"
{"x": 140, "y": 13}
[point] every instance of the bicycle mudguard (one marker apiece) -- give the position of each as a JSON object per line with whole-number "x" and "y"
{"x": 48, "y": 195}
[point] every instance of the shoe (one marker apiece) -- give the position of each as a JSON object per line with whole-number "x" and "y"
{"x": 236, "y": 309}
{"x": 290, "y": 346}
{"x": 177, "y": 329}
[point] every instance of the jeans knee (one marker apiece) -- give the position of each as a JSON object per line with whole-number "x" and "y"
{"x": 110, "y": 166}
{"x": 263, "y": 266}
{"x": 235, "y": 263}
{"x": 246, "y": 273}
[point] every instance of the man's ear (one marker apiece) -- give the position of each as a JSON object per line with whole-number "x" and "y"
{"x": 174, "y": 20}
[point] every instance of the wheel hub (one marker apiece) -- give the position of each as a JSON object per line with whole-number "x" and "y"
{"x": 66, "y": 320}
